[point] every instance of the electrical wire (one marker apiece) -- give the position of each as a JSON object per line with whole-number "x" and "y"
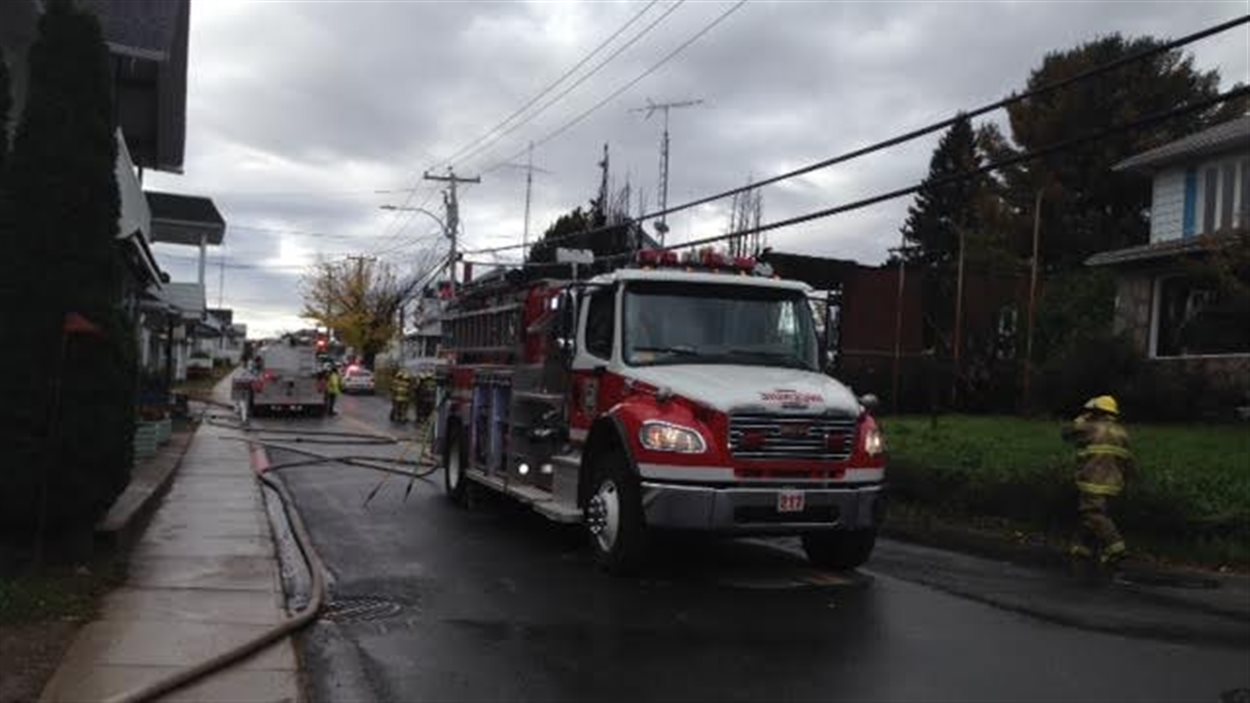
{"x": 975, "y": 112}
{"x": 930, "y": 128}
{"x": 551, "y": 86}
{"x": 581, "y": 80}
{"x": 1065, "y": 145}
{"x": 626, "y": 86}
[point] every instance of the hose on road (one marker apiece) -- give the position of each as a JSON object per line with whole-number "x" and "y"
{"x": 313, "y": 561}
{"x": 373, "y": 463}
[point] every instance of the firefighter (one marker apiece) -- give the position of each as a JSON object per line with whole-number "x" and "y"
{"x": 425, "y": 397}
{"x": 334, "y": 388}
{"x": 401, "y": 391}
{"x": 1103, "y": 463}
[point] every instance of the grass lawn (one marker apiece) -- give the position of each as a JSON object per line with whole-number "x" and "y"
{"x": 62, "y": 593}
{"x": 1192, "y": 489}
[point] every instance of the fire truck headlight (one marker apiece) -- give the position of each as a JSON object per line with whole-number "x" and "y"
{"x": 874, "y": 441}
{"x": 664, "y": 437}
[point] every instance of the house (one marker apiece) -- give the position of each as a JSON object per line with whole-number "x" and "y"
{"x": 147, "y": 42}
{"x": 227, "y": 346}
{"x": 188, "y": 323}
{"x": 1166, "y": 305}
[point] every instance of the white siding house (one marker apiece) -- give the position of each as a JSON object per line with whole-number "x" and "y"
{"x": 1200, "y": 187}
{"x": 1167, "y": 204}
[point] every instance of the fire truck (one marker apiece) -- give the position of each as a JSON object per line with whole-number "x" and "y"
{"x": 285, "y": 377}
{"x": 672, "y": 394}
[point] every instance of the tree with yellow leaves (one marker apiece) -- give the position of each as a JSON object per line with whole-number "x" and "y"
{"x": 359, "y": 298}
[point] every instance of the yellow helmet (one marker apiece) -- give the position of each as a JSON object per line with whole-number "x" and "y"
{"x": 1103, "y": 403}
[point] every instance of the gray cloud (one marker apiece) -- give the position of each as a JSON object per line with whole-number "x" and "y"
{"x": 298, "y": 111}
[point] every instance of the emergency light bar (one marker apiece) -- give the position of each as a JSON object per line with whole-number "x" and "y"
{"x": 706, "y": 259}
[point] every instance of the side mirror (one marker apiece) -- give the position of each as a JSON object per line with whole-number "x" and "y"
{"x": 869, "y": 401}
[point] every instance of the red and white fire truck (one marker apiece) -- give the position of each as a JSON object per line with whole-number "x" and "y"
{"x": 677, "y": 393}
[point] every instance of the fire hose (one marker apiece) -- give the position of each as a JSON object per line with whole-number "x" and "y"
{"x": 289, "y": 626}
{"x": 303, "y": 540}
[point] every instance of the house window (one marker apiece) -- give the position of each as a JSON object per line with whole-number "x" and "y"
{"x": 1005, "y": 342}
{"x": 1191, "y": 203}
{"x": 1193, "y": 319}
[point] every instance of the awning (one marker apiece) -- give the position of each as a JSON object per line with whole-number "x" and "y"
{"x": 185, "y": 219}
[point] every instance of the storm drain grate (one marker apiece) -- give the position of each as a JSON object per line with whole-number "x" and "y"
{"x": 360, "y": 609}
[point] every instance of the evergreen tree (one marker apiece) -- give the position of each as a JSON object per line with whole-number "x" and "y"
{"x": 71, "y": 410}
{"x": 941, "y": 210}
{"x": 1088, "y": 206}
{"x": 572, "y": 230}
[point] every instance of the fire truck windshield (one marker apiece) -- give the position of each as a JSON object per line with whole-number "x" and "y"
{"x": 684, "y": 323}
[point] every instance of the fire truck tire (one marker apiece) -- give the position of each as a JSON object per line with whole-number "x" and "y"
{"x": 454, "y": 481}
{"x": 614, "y": 516}
{"x": 842, "y": 550}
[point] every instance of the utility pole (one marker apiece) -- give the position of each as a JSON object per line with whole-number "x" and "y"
{"x": 959, "y": 315}
{"x": 529, "y": 169}
{"x": 1028, "y": 340}
{"x": 221, "y": 277}
{"x": 650, "y": 109}
{"x": 452, "y": 207}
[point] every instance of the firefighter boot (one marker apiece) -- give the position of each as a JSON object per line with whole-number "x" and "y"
{"x": 1112, "y": 556}
{"x": 1081, "y": 560}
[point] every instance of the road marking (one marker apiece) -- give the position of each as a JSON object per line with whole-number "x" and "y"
{"x": 783, "y": 581}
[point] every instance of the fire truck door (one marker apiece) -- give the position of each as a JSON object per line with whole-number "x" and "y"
{"x": 597, "y": 336}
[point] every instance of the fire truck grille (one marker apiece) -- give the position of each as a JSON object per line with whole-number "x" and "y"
{"x": 754, "y": 436}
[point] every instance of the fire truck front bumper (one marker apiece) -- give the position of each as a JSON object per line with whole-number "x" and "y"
{"x": 762, "y": 509}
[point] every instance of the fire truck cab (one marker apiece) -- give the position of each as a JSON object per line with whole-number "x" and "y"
{"x": 677, "y": 394}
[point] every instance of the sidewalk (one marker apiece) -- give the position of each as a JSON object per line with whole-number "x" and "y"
{"x": 203, "y": 577}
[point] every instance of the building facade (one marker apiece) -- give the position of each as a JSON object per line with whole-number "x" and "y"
{"x": 1170, "y": 303}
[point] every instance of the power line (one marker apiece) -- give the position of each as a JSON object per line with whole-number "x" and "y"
{"x": 928, "y": 129}
{"x": 976, "y": 112}
{"x": 586, "y": 76}
{"x": 584, "y": 60}
{"x": 630, "y": 84}
{"x": 1065, "y": 145}
{"x": 402, "y": 212}
{"x": 412, "y": 193}
{"x": 298, "y": 232}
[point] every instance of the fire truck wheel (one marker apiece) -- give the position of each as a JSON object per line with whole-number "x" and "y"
{"x": 844, "y": 549}
{"x": 454, "y": 481}
{"x": 614, "y": 516}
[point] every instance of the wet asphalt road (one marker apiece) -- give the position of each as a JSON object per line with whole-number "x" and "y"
{"x": 433, "y": 602}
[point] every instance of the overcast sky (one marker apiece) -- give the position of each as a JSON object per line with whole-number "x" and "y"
{"x": 299, "y": 112}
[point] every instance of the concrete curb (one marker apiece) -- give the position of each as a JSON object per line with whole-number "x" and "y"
{"x": 126, "y": 519}
{"x": 1045, "y": 557}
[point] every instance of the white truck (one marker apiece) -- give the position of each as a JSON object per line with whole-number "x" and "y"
{"x": 285, "y": 377}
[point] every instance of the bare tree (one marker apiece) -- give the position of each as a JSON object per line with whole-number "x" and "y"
{"x": 746, "y": 210}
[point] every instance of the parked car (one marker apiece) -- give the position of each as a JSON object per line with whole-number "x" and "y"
{"x": 357, "y": 379}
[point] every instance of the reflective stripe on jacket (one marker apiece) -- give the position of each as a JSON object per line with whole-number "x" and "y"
{"x": 1103, "y": 455}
